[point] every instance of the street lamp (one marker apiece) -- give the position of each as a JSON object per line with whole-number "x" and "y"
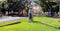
{"x": 30, "y": 14}
{"x": 31, "y": 11}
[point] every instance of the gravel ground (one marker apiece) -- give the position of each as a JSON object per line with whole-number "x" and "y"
{"x": 9, "y": 18}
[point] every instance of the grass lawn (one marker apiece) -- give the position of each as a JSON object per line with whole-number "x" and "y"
{"x": 27, "y": 26}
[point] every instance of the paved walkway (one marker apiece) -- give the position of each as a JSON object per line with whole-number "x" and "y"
{"x": 6, "y": 19}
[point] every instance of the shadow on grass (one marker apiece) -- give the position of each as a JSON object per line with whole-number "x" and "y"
{"x": 53, "y": 17}
{"x": 10, "y": 24}
{"x": 36, "y": 22}
{"x": 51, "y": 25}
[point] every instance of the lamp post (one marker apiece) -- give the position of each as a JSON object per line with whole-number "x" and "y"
{"x": 31, "y": 12}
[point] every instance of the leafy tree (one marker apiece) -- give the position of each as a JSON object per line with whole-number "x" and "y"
{"x": 48, "y": 6}
{"x": 18, "y": 5}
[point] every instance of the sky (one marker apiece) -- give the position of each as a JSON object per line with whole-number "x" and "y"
{"x": 1, "y": 0}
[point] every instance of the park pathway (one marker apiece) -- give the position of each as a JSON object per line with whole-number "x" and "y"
{"x": 9, "y": 18}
